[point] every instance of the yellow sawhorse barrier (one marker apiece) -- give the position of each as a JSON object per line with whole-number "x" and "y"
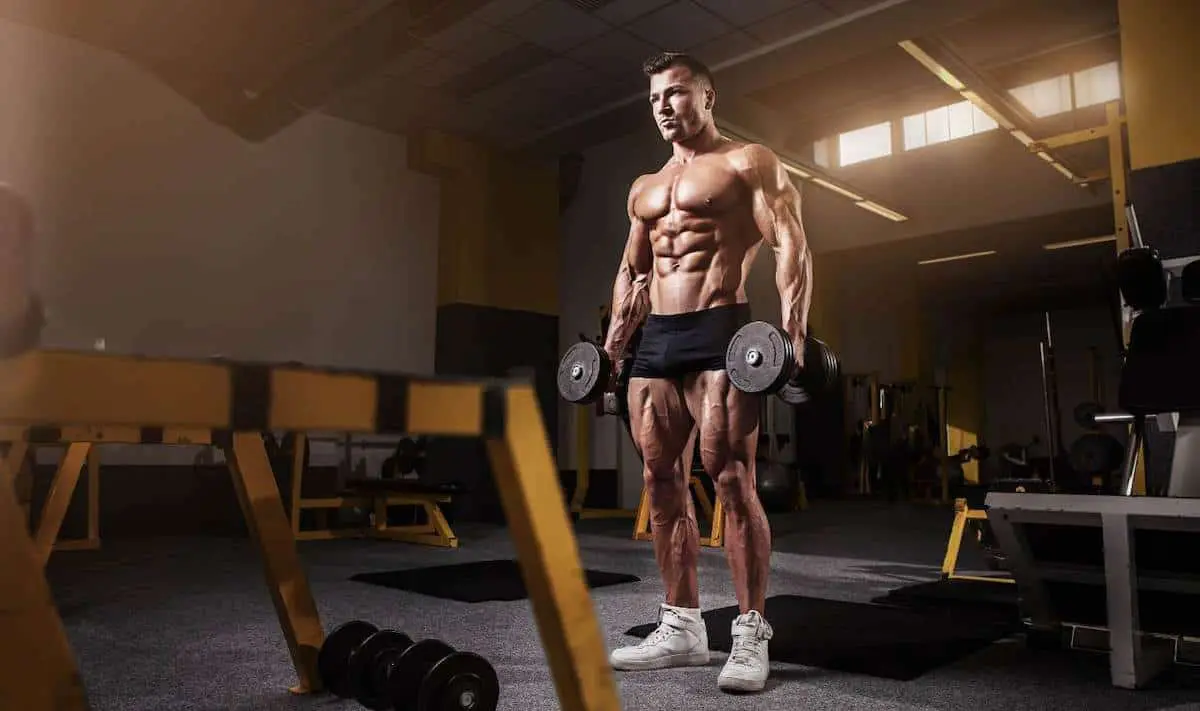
{"x": 56, "y": 391}
{"x": 963, "y": 514}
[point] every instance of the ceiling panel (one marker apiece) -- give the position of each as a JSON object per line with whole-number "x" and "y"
{"x": 616, "y": 52}
{"x": 464, "y": 32}
{"x": 499, "y": 69}
{"x": 486, "y": 47}
{"x": 725, "y": 47}
{"x": 845, "y": 7}
{"x": 497, "y": 11}
{"x": 679, "y": 26}
{"x": 412, "y": 60}
{"x": 438, "y": 73}
{"x": 1028, "y": 27}
{"x": 555, "y": 25}
{"x": 742, "y": 13}
{"x": 807, "y": 15}
{"x": 619, "y": 12}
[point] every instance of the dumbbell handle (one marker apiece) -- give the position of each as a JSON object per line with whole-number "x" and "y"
{"x": 1112, "y": 418}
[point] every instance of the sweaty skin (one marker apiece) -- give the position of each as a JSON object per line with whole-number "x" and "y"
{"x": 695, "y": 228}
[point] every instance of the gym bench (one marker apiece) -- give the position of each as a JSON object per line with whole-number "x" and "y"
{"x": 378, "y": 496}
{"x": 233, "y": 404}
{"x": 963, "y": 514}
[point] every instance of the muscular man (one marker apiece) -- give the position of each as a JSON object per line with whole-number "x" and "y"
{"x": 20, "y": 310}
{"x": 696, "y": 226}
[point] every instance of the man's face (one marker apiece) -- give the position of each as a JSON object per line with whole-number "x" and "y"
{"x": 682, "y": 104}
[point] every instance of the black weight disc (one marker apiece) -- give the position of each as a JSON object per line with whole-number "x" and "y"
{"x": 333, "y": 659}
{"x": 366, "y": 679}
{"x": 404, "y": 683}
{"x": 583, "y": 373}
{"x": 759, "y": 358}
{"x": 1085, "y": 414}
{"x": 461, "y": 682}
{"x": 1096, "y": 453}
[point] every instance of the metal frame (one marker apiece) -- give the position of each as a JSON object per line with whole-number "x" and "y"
{"x": 1135, "y": 657}
{"x": 236, "y": 402}
{"x": 962, "y": 514}
{"x": 436, "y": 531}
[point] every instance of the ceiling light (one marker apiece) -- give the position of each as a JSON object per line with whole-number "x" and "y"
{"x": 957, "y": 257}
{"x": 881, "y": 210}
{"x": 837, "y": 189}
{"x": 1079, "y": 242}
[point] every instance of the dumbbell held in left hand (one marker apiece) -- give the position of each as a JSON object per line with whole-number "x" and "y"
{"x": 761, "y": 360}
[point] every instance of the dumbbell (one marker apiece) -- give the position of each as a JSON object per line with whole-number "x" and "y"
{"x": 761, "y": 360}
{"x": 384, "y": 669}
{"x": 583, "y": 376}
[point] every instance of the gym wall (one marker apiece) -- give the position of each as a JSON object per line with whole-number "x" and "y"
{"x": 164, "y": 234}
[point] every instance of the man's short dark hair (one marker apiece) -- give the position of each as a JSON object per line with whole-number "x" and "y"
{"x": 663, "y": 61}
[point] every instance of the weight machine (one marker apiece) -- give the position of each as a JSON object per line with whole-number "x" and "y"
{"x": 1107, "y": 568}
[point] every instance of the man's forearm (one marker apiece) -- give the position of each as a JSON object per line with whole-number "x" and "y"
{"x": 795, "y": 293}
{"x": 631, "y": 305}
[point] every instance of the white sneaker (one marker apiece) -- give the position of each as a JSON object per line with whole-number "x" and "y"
{"x": 748, "y": 663}
{"x": 680, "y": 640}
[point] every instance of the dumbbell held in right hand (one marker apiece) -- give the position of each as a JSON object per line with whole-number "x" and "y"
{"x": 761, "y": 360}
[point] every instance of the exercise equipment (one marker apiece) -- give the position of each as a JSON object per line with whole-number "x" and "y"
{"x": 1096, "y": 454}
{"x": 584, "y": 373}
{"x": 761, "y": 360}
{"x": 385, "y": 669}
{"x": 1141, "y": 278}
{"x": 778, "y": 486}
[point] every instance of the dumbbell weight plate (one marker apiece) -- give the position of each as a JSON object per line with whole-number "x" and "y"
{"x": 367, "y": 673}
{"x": 759, "y": 359}
{"x": 333, "y": 659}
{"x": 460, "y": 682}
{"x": 583, "y": 373}
{"x": 404, "y": 683}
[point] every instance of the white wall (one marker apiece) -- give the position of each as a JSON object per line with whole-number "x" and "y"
{"x": 164, "y": 234}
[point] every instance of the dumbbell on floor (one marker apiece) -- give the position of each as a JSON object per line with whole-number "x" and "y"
{"x": 761, "y": 360}
{"x": 384, "y": 669}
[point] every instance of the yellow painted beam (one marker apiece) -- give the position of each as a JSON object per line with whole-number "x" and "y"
{"x": 48, "y": 388}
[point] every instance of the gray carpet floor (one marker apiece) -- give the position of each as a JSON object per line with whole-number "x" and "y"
{"x": 186, "y": 623}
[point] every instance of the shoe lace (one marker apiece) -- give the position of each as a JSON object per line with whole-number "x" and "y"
{"x": 746, "y": 649}
{"x": 660, "y": 634}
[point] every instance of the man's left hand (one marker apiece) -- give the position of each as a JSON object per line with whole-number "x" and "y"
{"x": 798, "y": 355}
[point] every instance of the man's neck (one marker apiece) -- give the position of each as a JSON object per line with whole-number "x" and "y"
{"x": 703, "y": 142}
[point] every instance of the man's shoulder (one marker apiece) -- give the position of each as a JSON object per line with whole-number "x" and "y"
{"x": 753, "y": 156}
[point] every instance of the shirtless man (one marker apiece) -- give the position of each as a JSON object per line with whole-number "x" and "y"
{"x": 696, "y": 226}
{"x": 20, "y": 311}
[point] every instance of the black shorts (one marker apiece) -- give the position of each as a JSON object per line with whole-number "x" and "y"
{"x": 676, "y": 345}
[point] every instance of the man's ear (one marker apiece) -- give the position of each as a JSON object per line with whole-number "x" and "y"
{"x": 710, "y": 98}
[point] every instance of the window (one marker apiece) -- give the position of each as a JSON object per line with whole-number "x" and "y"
{"x": 1098, "y": 85}
{"x": 1047, "y": 97}
{"x": 945, "y": 123}
{"x": 822, "y": 153}
{"x": 865, "y": 143}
